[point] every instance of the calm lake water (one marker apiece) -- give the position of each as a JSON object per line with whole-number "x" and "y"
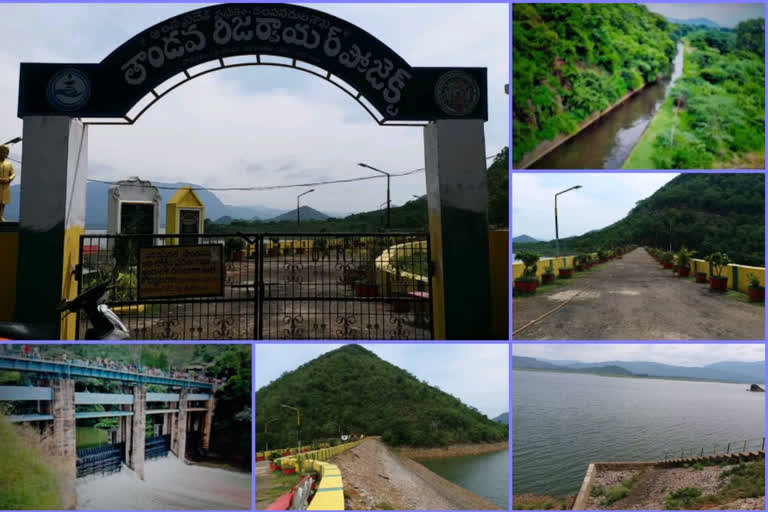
{"x": 485, "y": 475}
{"x": 564, "y": 421}
{"x": 607, "y": 143}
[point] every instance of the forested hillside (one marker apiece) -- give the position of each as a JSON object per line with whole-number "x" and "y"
{"x": 570, "y": 60}
{"x": 715, "y": 113}
{"x": 705, "y": 212}
{"x": 352, "y": 391}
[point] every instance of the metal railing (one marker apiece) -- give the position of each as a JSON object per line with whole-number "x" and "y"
{"x": 157, "y": 446}
{"x": 276, "y": 286}
{"x": 741, "y": 446}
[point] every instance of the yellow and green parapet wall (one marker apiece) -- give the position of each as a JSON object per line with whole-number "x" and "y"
{"x": 328, "y": 488}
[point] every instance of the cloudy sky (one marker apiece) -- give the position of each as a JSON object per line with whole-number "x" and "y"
{"x": 259, "y": 126}
{"x": 477, "y": 374}
{"x": 679, "y": 354}
{"x": 602, "y": 200}
{"x": 725, "y": 15}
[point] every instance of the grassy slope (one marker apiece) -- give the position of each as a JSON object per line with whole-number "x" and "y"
{"x": 26, "y": 482}
{"x": 640, "y": 157}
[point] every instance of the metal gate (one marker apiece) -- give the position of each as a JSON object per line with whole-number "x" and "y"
{"x": 276, "y": 286}
{"x": 157, "y": 446}
{"x": 107, "y": 458}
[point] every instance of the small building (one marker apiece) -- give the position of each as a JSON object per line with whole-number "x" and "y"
{"x": 184, "y": 215}
{"x": 133, "y": 207}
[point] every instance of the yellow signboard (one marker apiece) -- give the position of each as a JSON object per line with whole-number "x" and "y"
{"x": 181, "y": 271}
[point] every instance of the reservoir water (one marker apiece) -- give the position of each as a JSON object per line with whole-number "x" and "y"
{"x": 485, "y": 475}
{"x": 607, "y": 143}
{"x": 564, "y": 421}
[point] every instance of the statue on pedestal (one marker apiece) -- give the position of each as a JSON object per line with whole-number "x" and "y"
{"x": 6, "y": 177}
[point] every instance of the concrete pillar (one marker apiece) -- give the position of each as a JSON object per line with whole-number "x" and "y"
{"x": 181, "y": 426}
{"x": 64, "y": 427}
{"x": 52, "y": 218}
{"x": 210, "y": 405}
{"x": 457, "y": 200}
{"x": 136, "y": 457}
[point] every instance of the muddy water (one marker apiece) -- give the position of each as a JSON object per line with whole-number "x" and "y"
{"x": 606, "y": 143}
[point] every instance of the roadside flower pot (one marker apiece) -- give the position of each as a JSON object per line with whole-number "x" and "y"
{"x": 756, "y": 294}
{"x": 299, "y": 250}
{"x": 580, "y": 267}
{"x": 400, "y": 306}
{"x": 683, "y": 272}
{"x": 718, "y": 283}
{"x": 566, "y": 273}
{"x": 290, "y": 471}
{"x": 526, "y": 286}
{"x": 547, "y": 278}
{"x": 366, "y": 290}
{"x": 667, "y": 265}
{"x": 273, "y": 251}
{"x": 701, "y": 277}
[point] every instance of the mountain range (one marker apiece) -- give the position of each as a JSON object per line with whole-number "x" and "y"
{"x": 706, "y": 22}
{"x": 502, "y": 418}
{"x": 521, "y": 239}
{"x": 307, "y": 213}
{"x": 726, "y": 371}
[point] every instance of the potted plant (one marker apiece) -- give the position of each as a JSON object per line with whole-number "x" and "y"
{"x": 580, "y": 262}
{"x": 755, "y": 292}
{"x": 667, "y": 259}
{"x": 701, "y": 277}
{"x": 684, "y": 261}
{"x": 528, "y": 282}
{"x": 274, "y": 249}
{"x": 233, "y": 248}
{"x": 718, "y": 261}
{"x": 618, "y": 253}
{"x": 565, "y": 272}
{"x": 548, "y": 277}
{"x": 366, "y": 285}
{"x": 602, "y": 255}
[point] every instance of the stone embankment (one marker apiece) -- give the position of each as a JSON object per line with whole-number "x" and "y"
{"x": 375, "y": 478}
{"x": 455, "y": 450}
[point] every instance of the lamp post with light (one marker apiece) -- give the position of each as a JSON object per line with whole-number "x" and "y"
{"x": 557, "y": 235}
{"x": 298, "y": 217}
{"x": 388, "y": 176}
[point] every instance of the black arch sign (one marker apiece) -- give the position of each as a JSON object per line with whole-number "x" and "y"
{"x": 112, "y": 87}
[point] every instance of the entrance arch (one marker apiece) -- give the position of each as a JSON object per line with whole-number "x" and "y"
{"x": 57, "y": 102}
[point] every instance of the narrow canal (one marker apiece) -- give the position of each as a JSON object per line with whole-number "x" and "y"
{"x": 606, "y": 144}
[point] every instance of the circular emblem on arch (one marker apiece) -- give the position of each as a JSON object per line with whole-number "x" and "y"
{"x": 69, "y": 90}
{"x": 457, "y": 93}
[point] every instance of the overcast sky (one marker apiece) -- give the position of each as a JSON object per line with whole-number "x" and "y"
{"x": 259, "y": 126}
{"x": 725, "y": 15}
{"x": 676, "y": 354}
{"x": 477, "y": 374}
{"x": 603, "y": 199}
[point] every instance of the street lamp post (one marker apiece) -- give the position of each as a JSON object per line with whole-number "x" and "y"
{"x": 298, "y": 427}
{"x": 388, "y": 176}
{"x": 557, "y": 235}
{"x": 298, "y": 217}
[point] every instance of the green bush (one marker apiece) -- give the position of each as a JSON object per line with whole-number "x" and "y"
{"x": 615, "y": 493}
{"x": 682, "y": 497}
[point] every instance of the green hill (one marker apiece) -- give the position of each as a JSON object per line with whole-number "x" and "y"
{"x": 705, "y": 212}
{"x": 353, "y": 387}
{"x": 571, "y": 60}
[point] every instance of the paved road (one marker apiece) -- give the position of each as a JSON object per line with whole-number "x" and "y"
{"x": 635, "y": 299}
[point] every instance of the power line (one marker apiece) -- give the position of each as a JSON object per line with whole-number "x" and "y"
{"x": 266, "y": 187}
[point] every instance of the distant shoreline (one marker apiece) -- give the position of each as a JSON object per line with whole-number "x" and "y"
{"x": 688, "y": 379}
{"x": 456, "y": 450}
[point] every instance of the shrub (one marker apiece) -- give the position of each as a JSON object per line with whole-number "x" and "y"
{"x": 529, "y": 259}
{"x": 754, "y": 281}
{"x": 596, "y": 491}
{"x": 682, "y": 497}
{"x": 614, "y": 494}
{"x": 719, "y": 261}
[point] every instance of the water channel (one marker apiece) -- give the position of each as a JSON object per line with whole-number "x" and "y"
{"x": 485, "y": 475}
{"x": 607, "y": 143}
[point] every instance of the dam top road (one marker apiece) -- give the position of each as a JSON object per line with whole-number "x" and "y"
{"x": 633, "y": 298}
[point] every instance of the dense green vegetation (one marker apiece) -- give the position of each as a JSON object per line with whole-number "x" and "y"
{"x": 715, "y": 113}
{"x": 411, "y": 216}
{"x": 353, "y": 391}
{"x": 571, "y": 60}
{"x": 27, "y": 480}
{"x": 707, "y": 213}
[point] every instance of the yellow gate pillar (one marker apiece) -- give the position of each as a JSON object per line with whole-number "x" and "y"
{"x": 184, "y": 214}
{"x": 51, "y": 219}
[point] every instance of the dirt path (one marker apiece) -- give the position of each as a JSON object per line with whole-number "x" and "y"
{"x": 635, "y": 299}
{"x": 169, "y": 485}
{"x": 375, "y": 477}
